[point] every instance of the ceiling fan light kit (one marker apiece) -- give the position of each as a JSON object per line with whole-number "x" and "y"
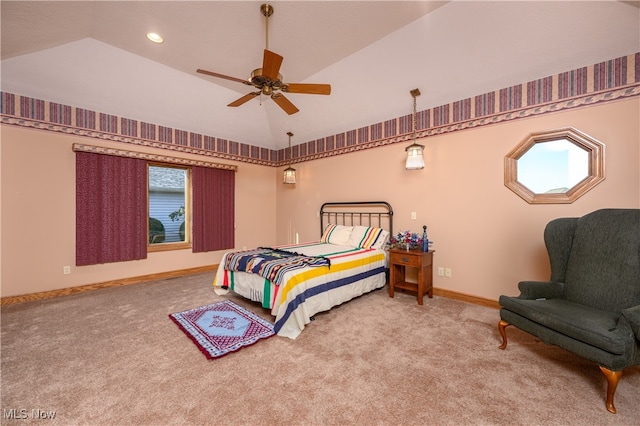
{"x": 268, "y": 79}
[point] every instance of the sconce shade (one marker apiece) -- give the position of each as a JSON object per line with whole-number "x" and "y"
{"x": 289, "y": 175}
{"x": 415, "y": 160}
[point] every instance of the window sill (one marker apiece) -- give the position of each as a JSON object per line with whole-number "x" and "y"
{"x": 167, "y": 247}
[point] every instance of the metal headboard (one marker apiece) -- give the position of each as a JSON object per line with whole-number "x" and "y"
{"x": 366, "y": 213}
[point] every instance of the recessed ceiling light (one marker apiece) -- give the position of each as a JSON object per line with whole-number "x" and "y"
{"x": 155, "y": 37}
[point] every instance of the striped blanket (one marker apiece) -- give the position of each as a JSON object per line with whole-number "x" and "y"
{"x": 307, "y": 290}
{"x": 271, "y": 264}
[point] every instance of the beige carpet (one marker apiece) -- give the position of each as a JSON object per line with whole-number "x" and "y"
{"x": 113, "y": 357}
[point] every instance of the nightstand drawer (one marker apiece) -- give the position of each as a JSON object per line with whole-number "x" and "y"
{"x": 407, "y": 259}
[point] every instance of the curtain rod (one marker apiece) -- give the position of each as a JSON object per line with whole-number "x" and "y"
{"x": 79, "y": 147}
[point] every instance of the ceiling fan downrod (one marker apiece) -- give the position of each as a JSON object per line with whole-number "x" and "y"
{"x": 267, "y": 10}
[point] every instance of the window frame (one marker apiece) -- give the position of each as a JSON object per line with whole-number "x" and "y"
{"x": 188, "y": 237}
{"x": 594, "y": 148}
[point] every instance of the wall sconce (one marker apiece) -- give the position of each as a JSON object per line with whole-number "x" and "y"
{"x": 415, "y": 160}
{"x": 289, "y": 172}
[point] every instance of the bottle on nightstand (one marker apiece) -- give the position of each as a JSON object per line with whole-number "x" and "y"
{"x": 425, "y": 239}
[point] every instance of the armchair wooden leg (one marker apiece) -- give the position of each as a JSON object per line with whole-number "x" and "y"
{"x": 501, "y": 326}
{"x": 613, "y": 377}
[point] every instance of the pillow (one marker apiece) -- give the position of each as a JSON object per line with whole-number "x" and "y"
{"x": 368, "y": 237}
{"x": 336, "y": 234}
{"x": 382, "y": 241}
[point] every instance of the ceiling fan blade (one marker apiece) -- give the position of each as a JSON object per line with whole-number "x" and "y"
{"x": 271, "y": 64}
{"x": 284, "y": 103}
{"x": 226, "y": 77}
{"x": 311, "y": 89}
{"x": 244, "y": 99}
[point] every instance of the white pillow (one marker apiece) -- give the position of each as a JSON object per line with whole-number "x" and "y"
{"x": 368, "y": 237}
{"x": 336, "y": 234}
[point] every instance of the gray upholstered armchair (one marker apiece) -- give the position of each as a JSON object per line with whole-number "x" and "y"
{"x": 591, "y": 304}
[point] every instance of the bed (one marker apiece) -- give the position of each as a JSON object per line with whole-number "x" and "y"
{"x": 297, "y": 281}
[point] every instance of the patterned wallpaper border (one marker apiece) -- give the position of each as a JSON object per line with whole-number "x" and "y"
{"x": 602, "y": 82}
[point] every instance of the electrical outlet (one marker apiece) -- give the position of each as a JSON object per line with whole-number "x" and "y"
{"x": 413, "y": 215}
{"x": 440, "y": 271}
{"x": 447, "y": 272}
{"x": 66, "y": 270}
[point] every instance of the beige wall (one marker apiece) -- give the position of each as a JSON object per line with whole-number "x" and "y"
{"x": 38, "y": 215}
{"x": 487, "y": 235}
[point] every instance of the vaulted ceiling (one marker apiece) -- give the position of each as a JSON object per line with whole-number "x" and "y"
{"x": 94, "y": 55}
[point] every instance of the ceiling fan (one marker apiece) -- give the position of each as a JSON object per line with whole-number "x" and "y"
{"x": 268, "y": 80}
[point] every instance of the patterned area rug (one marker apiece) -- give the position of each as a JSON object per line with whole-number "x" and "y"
{"x": 222, "y": 328}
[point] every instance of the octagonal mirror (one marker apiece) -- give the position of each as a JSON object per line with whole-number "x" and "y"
{"x": 557, "y": 166}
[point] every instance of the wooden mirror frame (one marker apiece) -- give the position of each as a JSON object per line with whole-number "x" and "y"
{"x": 594, "y": 148}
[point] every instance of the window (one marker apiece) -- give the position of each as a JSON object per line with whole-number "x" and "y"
{"x": 169, "y": 207}
{"x": 119, "y": 192}
{"x": 554, "y": 167}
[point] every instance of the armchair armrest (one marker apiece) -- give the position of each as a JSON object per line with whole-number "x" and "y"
{"x": 632, "y": 315}
{"x": 540, "y": 290}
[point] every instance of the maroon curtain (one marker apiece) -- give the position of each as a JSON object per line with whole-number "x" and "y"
{"x": 213, "y": 209}
{"x": 111, "y": 208}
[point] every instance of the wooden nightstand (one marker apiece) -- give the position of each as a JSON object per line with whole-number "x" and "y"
{"x": 399, "y": 259}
